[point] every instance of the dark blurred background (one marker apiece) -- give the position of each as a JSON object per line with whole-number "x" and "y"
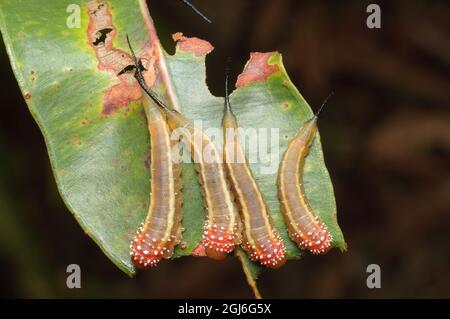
{"x": 385, "y": 134}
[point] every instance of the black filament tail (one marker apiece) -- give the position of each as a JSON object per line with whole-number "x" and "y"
{"x": 227, "y": 93}
{"x": 140, "y": 78}
{"x": 323, "y": 104}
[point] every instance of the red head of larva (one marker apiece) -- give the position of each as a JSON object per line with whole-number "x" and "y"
{"x": 145, "y": 251}
{"x": 142, "y": 259}
{"x": 218, "y": 241}
{"x": 272, "y": 254}
{"x": 318, "y": 242}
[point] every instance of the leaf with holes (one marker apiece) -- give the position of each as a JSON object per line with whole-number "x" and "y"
{"x": 75, "y": 83}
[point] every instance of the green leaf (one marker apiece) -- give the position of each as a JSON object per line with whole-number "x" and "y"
{"x": 99, "y": 150}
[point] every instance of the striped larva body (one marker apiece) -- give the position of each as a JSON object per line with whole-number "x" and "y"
{"x": 222, "y": 226}
{"x": 161, "y": 230}
{"x": 261, "y": 241}
{"x": 304, "y": 226}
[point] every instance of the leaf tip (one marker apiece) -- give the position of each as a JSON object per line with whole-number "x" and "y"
{"x": 257, "y": 68}
{"x": 195, "y": 45}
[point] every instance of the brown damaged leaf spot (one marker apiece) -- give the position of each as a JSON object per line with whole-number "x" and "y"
{"x": 32, "y": 76}
{"x": 195, "y": 45}
{"x": 73, "y": 139}
{"x": 101, "y": 33}
{"x": 86, "y": 121}
{"x": 257, "y": 69}
{"x": 27, "y": 96}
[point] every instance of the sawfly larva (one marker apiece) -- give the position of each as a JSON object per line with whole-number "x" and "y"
{"x": 304, "y": 226}
{"x": 261, "y": 241}
{"x": 161, "y": 230}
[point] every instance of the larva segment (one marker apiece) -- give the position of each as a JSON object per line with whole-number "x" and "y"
{"x": 304, "y": 226}
{"x": 261, "y": 241}
{"x": 161, "y": 231}
{"x": 222, "y": 227}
